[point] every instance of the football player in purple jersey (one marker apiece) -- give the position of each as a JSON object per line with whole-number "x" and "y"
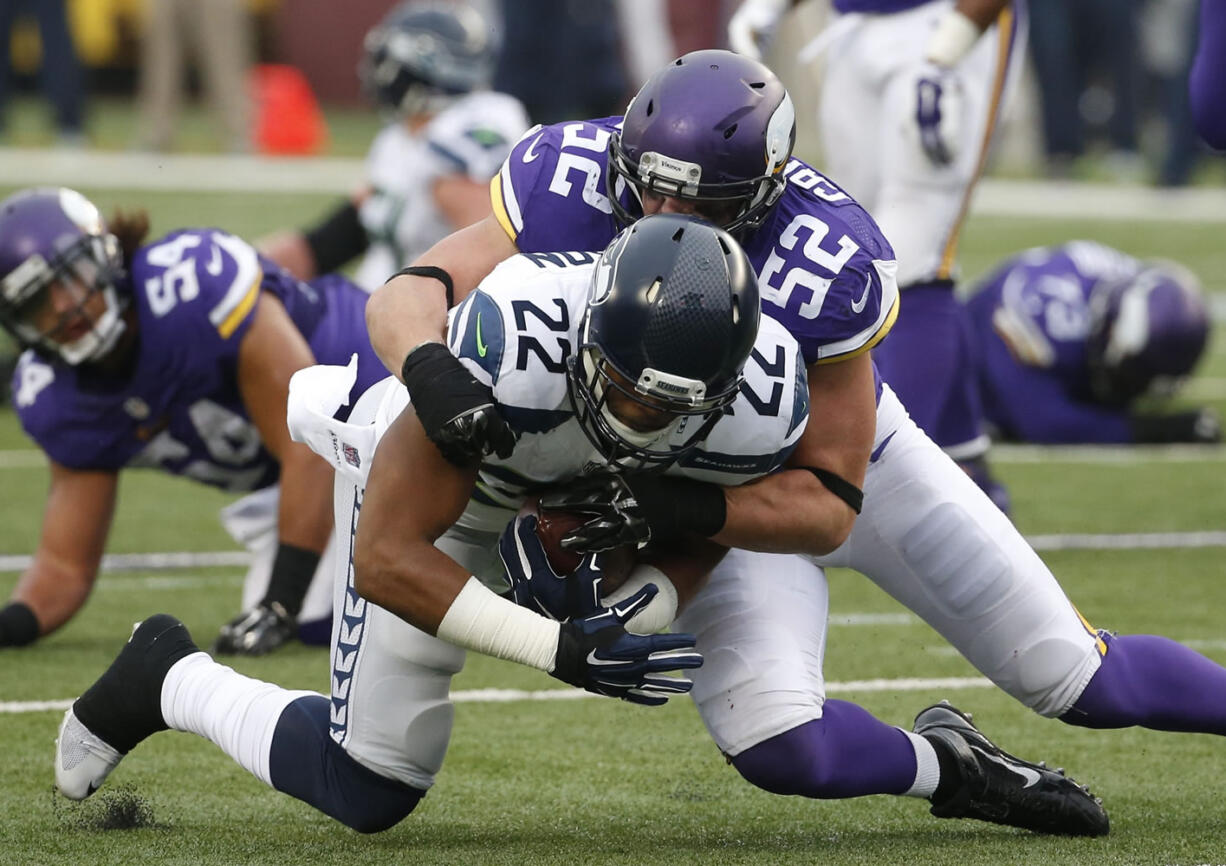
{"x": 1207, "y": 81}
{"x": 1070, "y": 339}
{"x": 173, "y": 355}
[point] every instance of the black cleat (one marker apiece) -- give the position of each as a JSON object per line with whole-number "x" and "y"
{"x": 997, "y": 787}
{"x": 256, "y": 632}
{"x": 121, "y": 708}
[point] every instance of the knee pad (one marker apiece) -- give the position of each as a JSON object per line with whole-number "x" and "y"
{"x": 1050, "y": 675}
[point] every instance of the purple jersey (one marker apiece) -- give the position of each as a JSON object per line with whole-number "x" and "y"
{"x": 825, "y": 271}
{"x": 194, "y": 293}
{"x": 1207, "y": 81}
{"x": 876, "y": 7}
{"x": 1031, "y": 319}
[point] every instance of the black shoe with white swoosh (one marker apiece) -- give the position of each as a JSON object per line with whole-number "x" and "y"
{"x": 997, "y": 787}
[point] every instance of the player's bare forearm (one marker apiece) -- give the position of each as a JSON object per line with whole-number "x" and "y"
{"x": 304, "y": 512}
{"x": 412, "y": 497}
{"x": 792, "y": 511}
{"x": 687, "y": 562}
{"x": 982, "y": 12}
{"x": 76, "y": 522}
{"x": 410, "y": 310}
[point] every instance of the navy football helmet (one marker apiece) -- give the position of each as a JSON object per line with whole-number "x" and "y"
{"x": 424, "y": 55}
{"x": 713, "y": 127}
{"x": 671, "y": 319}
{"x": 1146, "y": 333}
{"x": 56, "y": 238}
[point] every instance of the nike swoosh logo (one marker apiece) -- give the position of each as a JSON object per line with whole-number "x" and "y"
{"x": 481, "y": 347}
{"x": 857, "y": 307}
{"x": 530, "y": 154}
{"x": 214, "y": 263}
{"x": 1032, "y": 777}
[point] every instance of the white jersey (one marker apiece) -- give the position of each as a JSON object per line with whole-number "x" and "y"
{"x": 516, "y": 333}
{"x": 471, "y": 137}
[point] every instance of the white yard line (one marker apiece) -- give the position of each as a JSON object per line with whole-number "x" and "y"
{"x": 501, "y": 696}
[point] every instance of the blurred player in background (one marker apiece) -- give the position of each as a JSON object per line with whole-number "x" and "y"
{"x": 588, "y": 354}
{"x": 1071, "y": 340}
{"x": 912, "y": 93}
{"x": 427, "y": 66}
{"x": 1207, "y": 81}
{"x": 174, "y": 355}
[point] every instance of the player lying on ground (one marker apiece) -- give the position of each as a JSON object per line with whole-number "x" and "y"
{"x": 1073, "y": 341}
{"x": 590, "y": 395}
{"x": 174, "y": 355}
{"x": 696, "y": 138}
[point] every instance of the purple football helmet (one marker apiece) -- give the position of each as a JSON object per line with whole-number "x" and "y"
{"x": 1146, "y": 333}
{"x": 713, "y": 127}
{"x": 56, "y": 238}
{"x": 425, "y": 54}
{"x": 671, "y": 319}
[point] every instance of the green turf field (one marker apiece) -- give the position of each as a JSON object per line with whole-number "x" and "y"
{"x": 595, "y": 781}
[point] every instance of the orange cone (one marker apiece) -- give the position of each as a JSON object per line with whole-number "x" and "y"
{"x": 288, "y": 119}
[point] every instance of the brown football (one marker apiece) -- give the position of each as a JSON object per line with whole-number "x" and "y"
{"x": 553, "y": 525}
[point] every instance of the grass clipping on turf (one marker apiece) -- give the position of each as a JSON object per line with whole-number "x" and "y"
{"x": 116, "y": 808}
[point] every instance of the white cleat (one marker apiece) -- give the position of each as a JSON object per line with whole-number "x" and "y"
{"x": 82, "y": 760}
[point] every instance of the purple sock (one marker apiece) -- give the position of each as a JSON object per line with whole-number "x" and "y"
{"x": 845, "y": 753}
{"x": 1156, "y": 683}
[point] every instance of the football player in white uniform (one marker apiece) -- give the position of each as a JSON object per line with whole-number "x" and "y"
{"x": 650, "y": 354}
{"x": 910, "y": 98}
{"x": 427, "y": 66}
{"x": 696, "y": 138}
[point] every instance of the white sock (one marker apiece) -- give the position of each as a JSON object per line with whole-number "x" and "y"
{"x": 927, "y": 768}
{"x": 236, "y": 712}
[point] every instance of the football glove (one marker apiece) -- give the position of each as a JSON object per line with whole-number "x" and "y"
{"x": 533, "y": 582}
{"x": 752, "y": 26}
{"x": 457, "y": 411}
{"x": 635, "y": 509}
{"x": 256, "y": 632}
{"x": 1201, "y": 426}
{"x": 936, "y": 117}
{"x": 597, "y": 654}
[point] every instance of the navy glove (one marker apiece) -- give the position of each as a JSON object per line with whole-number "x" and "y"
{"x": 597, "y": 654}
{"x": 457, "y": 411}
{"x": 938, "y": 110}
{"x": 635, "y": 509}
{"x": 533, "y": 582}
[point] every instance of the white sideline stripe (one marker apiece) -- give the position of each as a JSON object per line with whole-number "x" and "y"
{"x": 341, "y": 175}
{"x": 1127, "y": 455}
{"x": 32, "y": 458}
{"x": 1059, "y": 541}
{"x": 503, "y": 696}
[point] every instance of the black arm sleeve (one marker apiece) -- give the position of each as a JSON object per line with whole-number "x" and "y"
{"x": 337, "y": 239}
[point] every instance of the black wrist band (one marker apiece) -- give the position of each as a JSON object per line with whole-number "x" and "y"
{"x": 425, "y": 362}
{"x": 292, "y": 572}
{"x": 18, "y": 625}
{"x": 434, "y": 273}
{"x": 337, "y": 240}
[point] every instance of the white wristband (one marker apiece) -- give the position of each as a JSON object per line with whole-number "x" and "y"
{"x": 953, "y": 38}
{"x": 660, "y": 611}
{"x": 481, "y": 620}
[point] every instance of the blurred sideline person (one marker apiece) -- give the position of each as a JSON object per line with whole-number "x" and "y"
{"x": 864, "y": 488}
{"x": 911, "y": 96}
{"x": 587, "y": 351}
{"x": 1207, "y": 82}
{"x": 218, "y": 35}
{"x": 427, "y": 66}
{"x": 174, "y": 355}
{"x": 59, "y": 72}
{"x": 1072, "y": 340}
